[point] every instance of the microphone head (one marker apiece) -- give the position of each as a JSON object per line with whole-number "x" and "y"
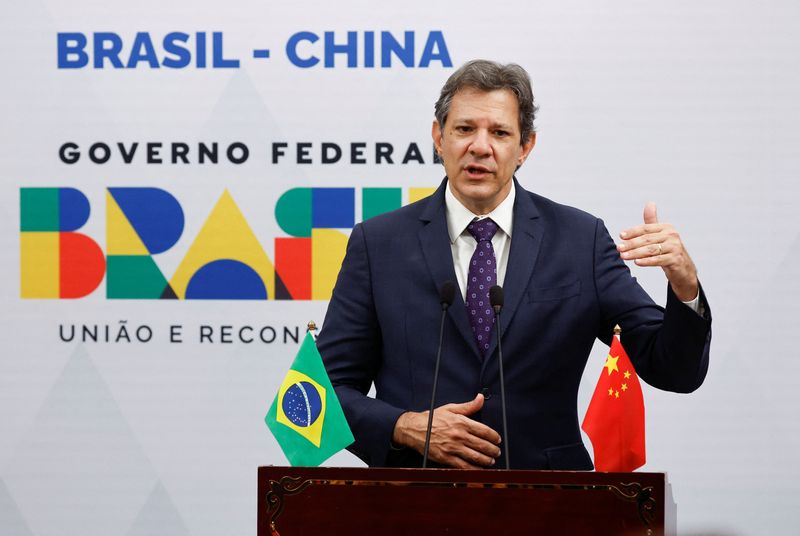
{"x": 447, "y": 293}
{"x": 496, "y": 297}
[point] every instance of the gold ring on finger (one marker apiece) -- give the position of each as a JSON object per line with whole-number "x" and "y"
{"x": 660, "y": 249}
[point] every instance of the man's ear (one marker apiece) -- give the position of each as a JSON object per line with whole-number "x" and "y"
{"x": 527, "y": 147}
{"x": 436, "y": 134}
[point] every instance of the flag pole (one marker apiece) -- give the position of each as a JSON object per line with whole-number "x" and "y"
{"x": 617, "y": 332}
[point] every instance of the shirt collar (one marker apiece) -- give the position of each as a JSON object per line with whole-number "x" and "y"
{"x": 459, "y": 216}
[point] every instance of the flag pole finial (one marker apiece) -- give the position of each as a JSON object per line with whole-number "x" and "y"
{"x": 617, "y": 330}
{"x": 312, "y": 326}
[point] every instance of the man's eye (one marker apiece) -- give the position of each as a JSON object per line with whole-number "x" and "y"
{"x": 463, "y": 128}
{"x": 501, "y": 133}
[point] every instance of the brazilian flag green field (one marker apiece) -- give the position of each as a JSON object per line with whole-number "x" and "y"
{"x": 306, "y": 417}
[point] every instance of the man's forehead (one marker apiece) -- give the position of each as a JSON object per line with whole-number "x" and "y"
{"x": 470, "y": 92}
{"x": 499, "y": 105}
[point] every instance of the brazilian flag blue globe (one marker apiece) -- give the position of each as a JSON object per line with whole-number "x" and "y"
{"x": 306, "y": 417}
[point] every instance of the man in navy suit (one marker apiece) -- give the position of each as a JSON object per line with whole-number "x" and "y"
{"x": 565, "y": 285}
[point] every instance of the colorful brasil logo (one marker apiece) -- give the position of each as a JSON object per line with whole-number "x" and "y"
{"x": 224, "y": 262}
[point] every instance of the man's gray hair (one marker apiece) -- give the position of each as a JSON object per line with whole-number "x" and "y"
{"x": 487, "y": 75}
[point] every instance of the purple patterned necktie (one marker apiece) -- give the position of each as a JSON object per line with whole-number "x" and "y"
{"x": 481, "y": 277}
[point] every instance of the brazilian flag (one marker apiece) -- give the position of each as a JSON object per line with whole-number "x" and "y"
{"x": 306, "y": 417}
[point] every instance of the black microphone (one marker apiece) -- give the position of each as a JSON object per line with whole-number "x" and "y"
{"x": 447, "y": 293}
{"x": 496, "y": 300}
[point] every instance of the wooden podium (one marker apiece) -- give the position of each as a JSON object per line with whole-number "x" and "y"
{"x": 365, "y": 501}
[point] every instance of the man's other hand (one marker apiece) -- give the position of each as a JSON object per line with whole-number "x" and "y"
{"x": 456, "y": 440}
{"x": 659, "y": 244}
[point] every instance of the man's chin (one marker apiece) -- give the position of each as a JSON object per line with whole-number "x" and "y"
{"x": 481, "y": 198}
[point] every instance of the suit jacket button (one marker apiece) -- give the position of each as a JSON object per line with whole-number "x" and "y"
{"x": 486, "y": 394}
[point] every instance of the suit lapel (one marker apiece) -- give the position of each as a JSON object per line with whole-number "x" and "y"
{"x": 435, "y": 243}
{"x": 525, "y": 244}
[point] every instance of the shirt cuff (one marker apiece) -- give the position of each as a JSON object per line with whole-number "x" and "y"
{"x": 694, "y": 304}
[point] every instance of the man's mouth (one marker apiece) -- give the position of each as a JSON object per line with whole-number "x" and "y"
{"x": 476, "y": 170}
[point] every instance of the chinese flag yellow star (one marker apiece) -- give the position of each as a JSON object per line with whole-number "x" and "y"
{"x": 624, "y": 386}
{"x": 611, "y": 364}
{"x": 627, "y": 374}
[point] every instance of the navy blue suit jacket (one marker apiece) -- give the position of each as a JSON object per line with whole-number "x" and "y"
{"x": 565, "y": 285}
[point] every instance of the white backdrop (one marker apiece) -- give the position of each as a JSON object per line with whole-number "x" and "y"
{"x": 693, "y": 105}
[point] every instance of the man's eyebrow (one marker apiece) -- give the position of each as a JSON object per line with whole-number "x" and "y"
{"x": 504, "y": 126}
{"x": 498, "y": 125}
{"x": 501, "y": 126}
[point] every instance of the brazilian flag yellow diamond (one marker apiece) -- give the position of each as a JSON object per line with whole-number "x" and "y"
{"x": 301, "y": 405}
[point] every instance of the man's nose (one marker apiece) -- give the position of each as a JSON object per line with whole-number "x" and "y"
{"x": 480, "y": 145}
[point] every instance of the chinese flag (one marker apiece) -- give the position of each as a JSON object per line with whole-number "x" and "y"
{"x": 614, "y": 420}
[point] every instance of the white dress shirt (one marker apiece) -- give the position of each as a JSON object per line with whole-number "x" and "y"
{"x": 462, "y": 244}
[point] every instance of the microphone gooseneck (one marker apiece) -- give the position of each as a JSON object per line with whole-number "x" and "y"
{"x": 496, "y": 299}
{"x": 447, "y": 293}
